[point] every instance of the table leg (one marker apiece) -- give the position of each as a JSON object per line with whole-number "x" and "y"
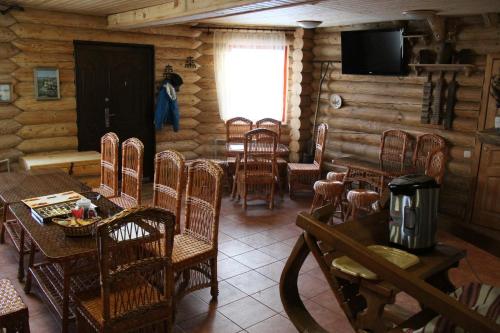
{"x": 2, "y": 223}
{"x": 371, "y": 317}
{"x": 235, "y": 179}
{"x": 20, "y": 272}
{"x": 442, "y": 282}
{"x": 29, "y": 277}
{"x": 65, "y": 297}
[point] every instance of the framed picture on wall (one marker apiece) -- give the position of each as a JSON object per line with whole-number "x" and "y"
{"x": 46, "y": 83}
{"x": 5, "y": 92}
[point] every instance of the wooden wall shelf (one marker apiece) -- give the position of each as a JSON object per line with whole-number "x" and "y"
{"x": 467, "y": 69}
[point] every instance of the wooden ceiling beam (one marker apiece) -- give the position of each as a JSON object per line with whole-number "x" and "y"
{"x": 184, "y": 11}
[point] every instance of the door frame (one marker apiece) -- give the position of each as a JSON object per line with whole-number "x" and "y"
{"x": 151, "y": 54}
{"x": 478, "y": 147}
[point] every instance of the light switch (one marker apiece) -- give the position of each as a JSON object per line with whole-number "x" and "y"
{"x": 467, "y": 154}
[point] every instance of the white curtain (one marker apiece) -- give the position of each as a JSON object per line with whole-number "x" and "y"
{"x": 250, "y": 74}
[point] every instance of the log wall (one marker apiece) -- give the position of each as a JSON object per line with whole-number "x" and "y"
{"x": 36, "y": 38}
{"x": 373, "y": 104}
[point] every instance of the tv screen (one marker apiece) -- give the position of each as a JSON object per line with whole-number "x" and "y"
{"x": 376, "y": 52}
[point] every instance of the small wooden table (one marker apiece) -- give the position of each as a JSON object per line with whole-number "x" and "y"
{"x": 377, "y": 174}
{"x": 433, "y": 268}
{"x": 16, "y": 186}
{"x": 67, "y": 258}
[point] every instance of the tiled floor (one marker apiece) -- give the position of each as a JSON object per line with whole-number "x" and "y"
{"x": 254, "y": 246}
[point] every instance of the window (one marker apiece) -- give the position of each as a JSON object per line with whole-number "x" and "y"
{"x": 250, "y": 74}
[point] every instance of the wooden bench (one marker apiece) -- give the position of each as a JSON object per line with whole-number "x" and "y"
{"x": 83, "y": 165}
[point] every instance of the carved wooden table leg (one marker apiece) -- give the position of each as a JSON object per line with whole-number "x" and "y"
{"x": 289, "y": 291}
{"x": 371, "y": 318}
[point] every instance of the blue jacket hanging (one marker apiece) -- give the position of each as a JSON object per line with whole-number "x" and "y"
{"x": 167, "y": 108}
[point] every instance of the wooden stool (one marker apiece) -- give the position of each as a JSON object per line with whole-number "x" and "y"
{"x": 360, "y": 199}
{"x": 13, "y": 312}
{"x": 327, "y": 192}
{"x": 336, "y": 176}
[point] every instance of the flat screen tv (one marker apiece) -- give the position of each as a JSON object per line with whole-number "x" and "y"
{"x": 375, "y": 52}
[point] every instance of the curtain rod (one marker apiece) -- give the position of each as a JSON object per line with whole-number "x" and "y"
{"x": 208, "y": 28}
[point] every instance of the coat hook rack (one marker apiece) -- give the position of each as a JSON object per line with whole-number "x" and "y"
{"x": 190, "y": 62}
{"x": 168, "y": 70}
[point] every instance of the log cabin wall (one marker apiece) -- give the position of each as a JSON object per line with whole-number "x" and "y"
{"x": 373, "y": 104}
{"x": 36, "y": 38}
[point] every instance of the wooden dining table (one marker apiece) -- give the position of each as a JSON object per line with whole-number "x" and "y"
{"x": 377, "y": 174}
{"x": 70, "y": 264}
{"x": 433, "y": 267}
{"x": 16, "y": 186}
{"x": 237, "y": 149}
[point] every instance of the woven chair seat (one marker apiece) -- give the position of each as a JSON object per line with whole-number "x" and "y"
{"x": 104, "y": 191}
{"x": 302, "y": 167}
{"x": 362, "y": 197}
{"x": 124, "y": 202}
{"x": 92, "y": 305}
{"x": 281, "y": 161}
{"x": 187, "y": 247}
{"x": 10, "y": 301}
{"x": 328, "y": 189}
{"x": 336, "y": 176}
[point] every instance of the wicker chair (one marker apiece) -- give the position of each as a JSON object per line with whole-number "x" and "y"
{"x": 259, "y": 173}
{"x": 328, "y": 191}
{"x": 236, "y": 129}
{"x": 135, "y": 265}
{"x": 132, "y": 160}
{"x": 14, "y": 315}
{"x": 275, "y": 126}
{"x": 195, "y": 249}
{"x": 393, "y": 147}
{"x": 109, "y": 166}
{"x": 426, "y": 144}
{"x": 168, "y": 183}
{"x": 302, "y": 176}
{"x": 270, "y": 124}
{"x": 435, "y": 165}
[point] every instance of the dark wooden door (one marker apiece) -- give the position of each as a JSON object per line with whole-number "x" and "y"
{"x": 114, "y": 91}
{"x": 486, "y": 205}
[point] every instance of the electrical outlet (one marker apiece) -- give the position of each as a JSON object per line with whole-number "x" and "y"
{"x": 467, "y": 154}
{"x": 497, "y": 122}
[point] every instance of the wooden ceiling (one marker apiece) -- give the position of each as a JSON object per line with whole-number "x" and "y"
{"x": 91, "y": 7}
{"x": 331, "y": 12}
{"x": 343, "y": 12}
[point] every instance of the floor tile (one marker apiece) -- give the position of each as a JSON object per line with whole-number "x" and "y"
{"x": 255, "y": 259}
{"x": 189, "y": 307}
{"x": 234, "y": 247}
{"x": 272, "y": 271}
{"x": 224, "y": 238}
{"x": 270, "y": 297}
{"x": 258, "y": 240}
{"x": 227, "y": 294}
{"x": 251, "y": 282}
{"x": 277, "y": 250}
{"x": 210, "y": 322}
{"x": 275, "y": 324}
{"x": 229, "y": 267}
{"x": 310, "y": 286}
{"x": 246, "y": 312}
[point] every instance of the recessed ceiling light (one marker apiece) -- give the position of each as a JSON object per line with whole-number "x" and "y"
{"x": 306, "y": 24}
{"x": 420, "y": 14}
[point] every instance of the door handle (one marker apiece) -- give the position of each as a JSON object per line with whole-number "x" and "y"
{"x": 107, "y": 116}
